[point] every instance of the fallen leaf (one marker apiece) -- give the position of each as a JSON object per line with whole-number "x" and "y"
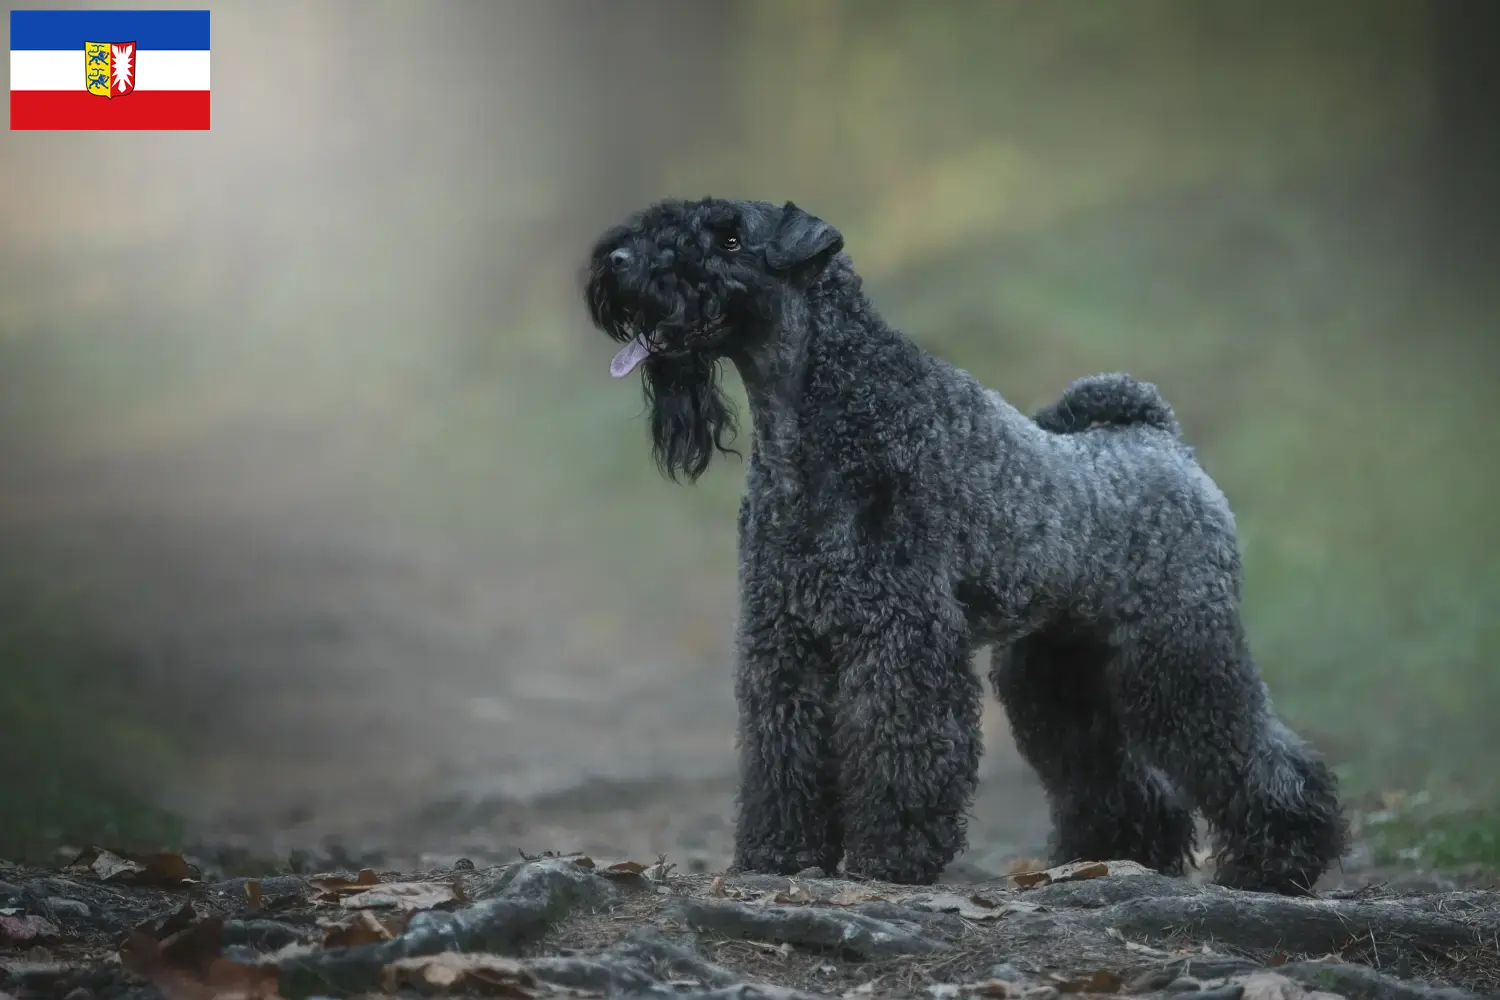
{"x": 161, "y": 869}
{"x": 623, "y": 869}
{"x": 103, "y": 865}
{"x": 1270, "y": 986}
{"x": 229, "y": 980}
{"x": 363, "y": 927}
{"x": 26, "y": 928}
{"x": 1077, "y": 871}
{"x": 407, "y": 896}
{"x": 1102, "y": 981}
{"x": 716, "y": 888}
{"x": 659, "y": 871}
{"x": 584, "y": 861}
{"x": 330, "y": 888}
{"x": 252, "y": 894}
{"x": 135, "y": 869}
{"x": 187, "y": 965}
{"x": 180, "y": 919}
{"x": 968, "y": 907}
{"x": 795, "y": 895}
{"x": 853, "y": 897}
{"x": 194, "y": 947}
{"x": 459, "y": 972}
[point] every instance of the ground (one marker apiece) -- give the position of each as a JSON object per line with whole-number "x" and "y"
{"x": 146, "y": 926}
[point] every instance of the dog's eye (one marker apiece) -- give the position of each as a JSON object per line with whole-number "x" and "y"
{"x": 730, "y": 243}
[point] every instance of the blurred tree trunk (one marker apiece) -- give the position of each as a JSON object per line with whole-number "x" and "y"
{"x": 1466, "y": 136}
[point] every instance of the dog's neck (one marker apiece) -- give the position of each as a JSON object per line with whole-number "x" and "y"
{"x": 809, "y": 329}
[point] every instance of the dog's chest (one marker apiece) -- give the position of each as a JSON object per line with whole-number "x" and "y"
{"x": 803, "y": 553}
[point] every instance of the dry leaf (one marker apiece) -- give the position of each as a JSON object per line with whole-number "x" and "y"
{"x": 1077, "y": 871}
{"x": 1102, "y": 981}
{"x": 101, "y": 864}
{"x": 187, "y": 965}
{"x": 22, "y": 929}
{"x": 584, "y": 861}
{"x": 407, "y": 896}
{"x": 796, "y": 895}
{"x": 161, "y": 869}
{"x": 717, "y": 887}
{"x": 361, "y": 928}
{"x": 458, "y": 972}
{"x": 330, "y": 888}
{"x": 252, "y": 893}
{"x": 135, "y": 869}
{"x": 196, "y": 946}
{"x": 624, "y": 869}
{"x": 968, "y": 907}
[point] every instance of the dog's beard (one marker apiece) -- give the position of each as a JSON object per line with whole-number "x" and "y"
{"x": 690, "y": 416}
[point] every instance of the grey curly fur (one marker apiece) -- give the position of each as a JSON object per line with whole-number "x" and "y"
{"x": 897, "y": 516}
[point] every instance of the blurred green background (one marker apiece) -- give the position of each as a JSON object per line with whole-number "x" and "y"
{"x": 256, "y": 381}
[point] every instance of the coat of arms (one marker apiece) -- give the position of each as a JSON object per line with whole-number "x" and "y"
{"x": 109, "y": 68}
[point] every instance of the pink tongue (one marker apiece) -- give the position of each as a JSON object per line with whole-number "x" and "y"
{"x": 630, "y": 355}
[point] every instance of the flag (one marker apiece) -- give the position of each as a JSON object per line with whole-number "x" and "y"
{"x": 109, "y": 69}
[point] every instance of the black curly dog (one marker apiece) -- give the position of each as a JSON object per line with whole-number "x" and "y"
{"x": 897, "y": 516}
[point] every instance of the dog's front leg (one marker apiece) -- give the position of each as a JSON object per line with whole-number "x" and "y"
{"x": 908, "y": 737}
{"x": 788, "y": 814}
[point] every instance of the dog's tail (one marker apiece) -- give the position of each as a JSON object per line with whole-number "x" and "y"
{"x": 1112, "y": 400}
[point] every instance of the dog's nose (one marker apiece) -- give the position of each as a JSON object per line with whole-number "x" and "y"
{"x": 620, "y": 257}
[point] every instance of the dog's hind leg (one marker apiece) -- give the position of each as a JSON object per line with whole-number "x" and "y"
{"x": 1106, "y": 803}
{"x": 788, "y": 799}
{"x": 908, "y": 737}
{"x": 1192, "y": 702}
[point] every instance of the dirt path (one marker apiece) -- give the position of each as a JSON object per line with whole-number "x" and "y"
{"x": 577, "y": 926}
{"x": 400, "y": 695}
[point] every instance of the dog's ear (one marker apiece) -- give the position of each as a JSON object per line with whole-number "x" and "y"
{"x": 802, "y": 240}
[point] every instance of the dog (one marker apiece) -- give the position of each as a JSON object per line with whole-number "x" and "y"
{"x": 897, "y": 516}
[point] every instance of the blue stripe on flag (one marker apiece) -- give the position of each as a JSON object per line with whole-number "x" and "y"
{"x": 61, "y": 30}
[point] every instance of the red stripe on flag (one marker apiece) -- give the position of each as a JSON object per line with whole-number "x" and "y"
{"x": 78, "y": 109}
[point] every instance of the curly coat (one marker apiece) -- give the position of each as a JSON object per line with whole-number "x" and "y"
{"x": 897, "y": 515}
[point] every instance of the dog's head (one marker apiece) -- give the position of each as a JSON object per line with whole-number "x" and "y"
{"x": 684, "y": 285}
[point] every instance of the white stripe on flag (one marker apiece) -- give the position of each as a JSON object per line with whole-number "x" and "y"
{"x": 156, "y": 69}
